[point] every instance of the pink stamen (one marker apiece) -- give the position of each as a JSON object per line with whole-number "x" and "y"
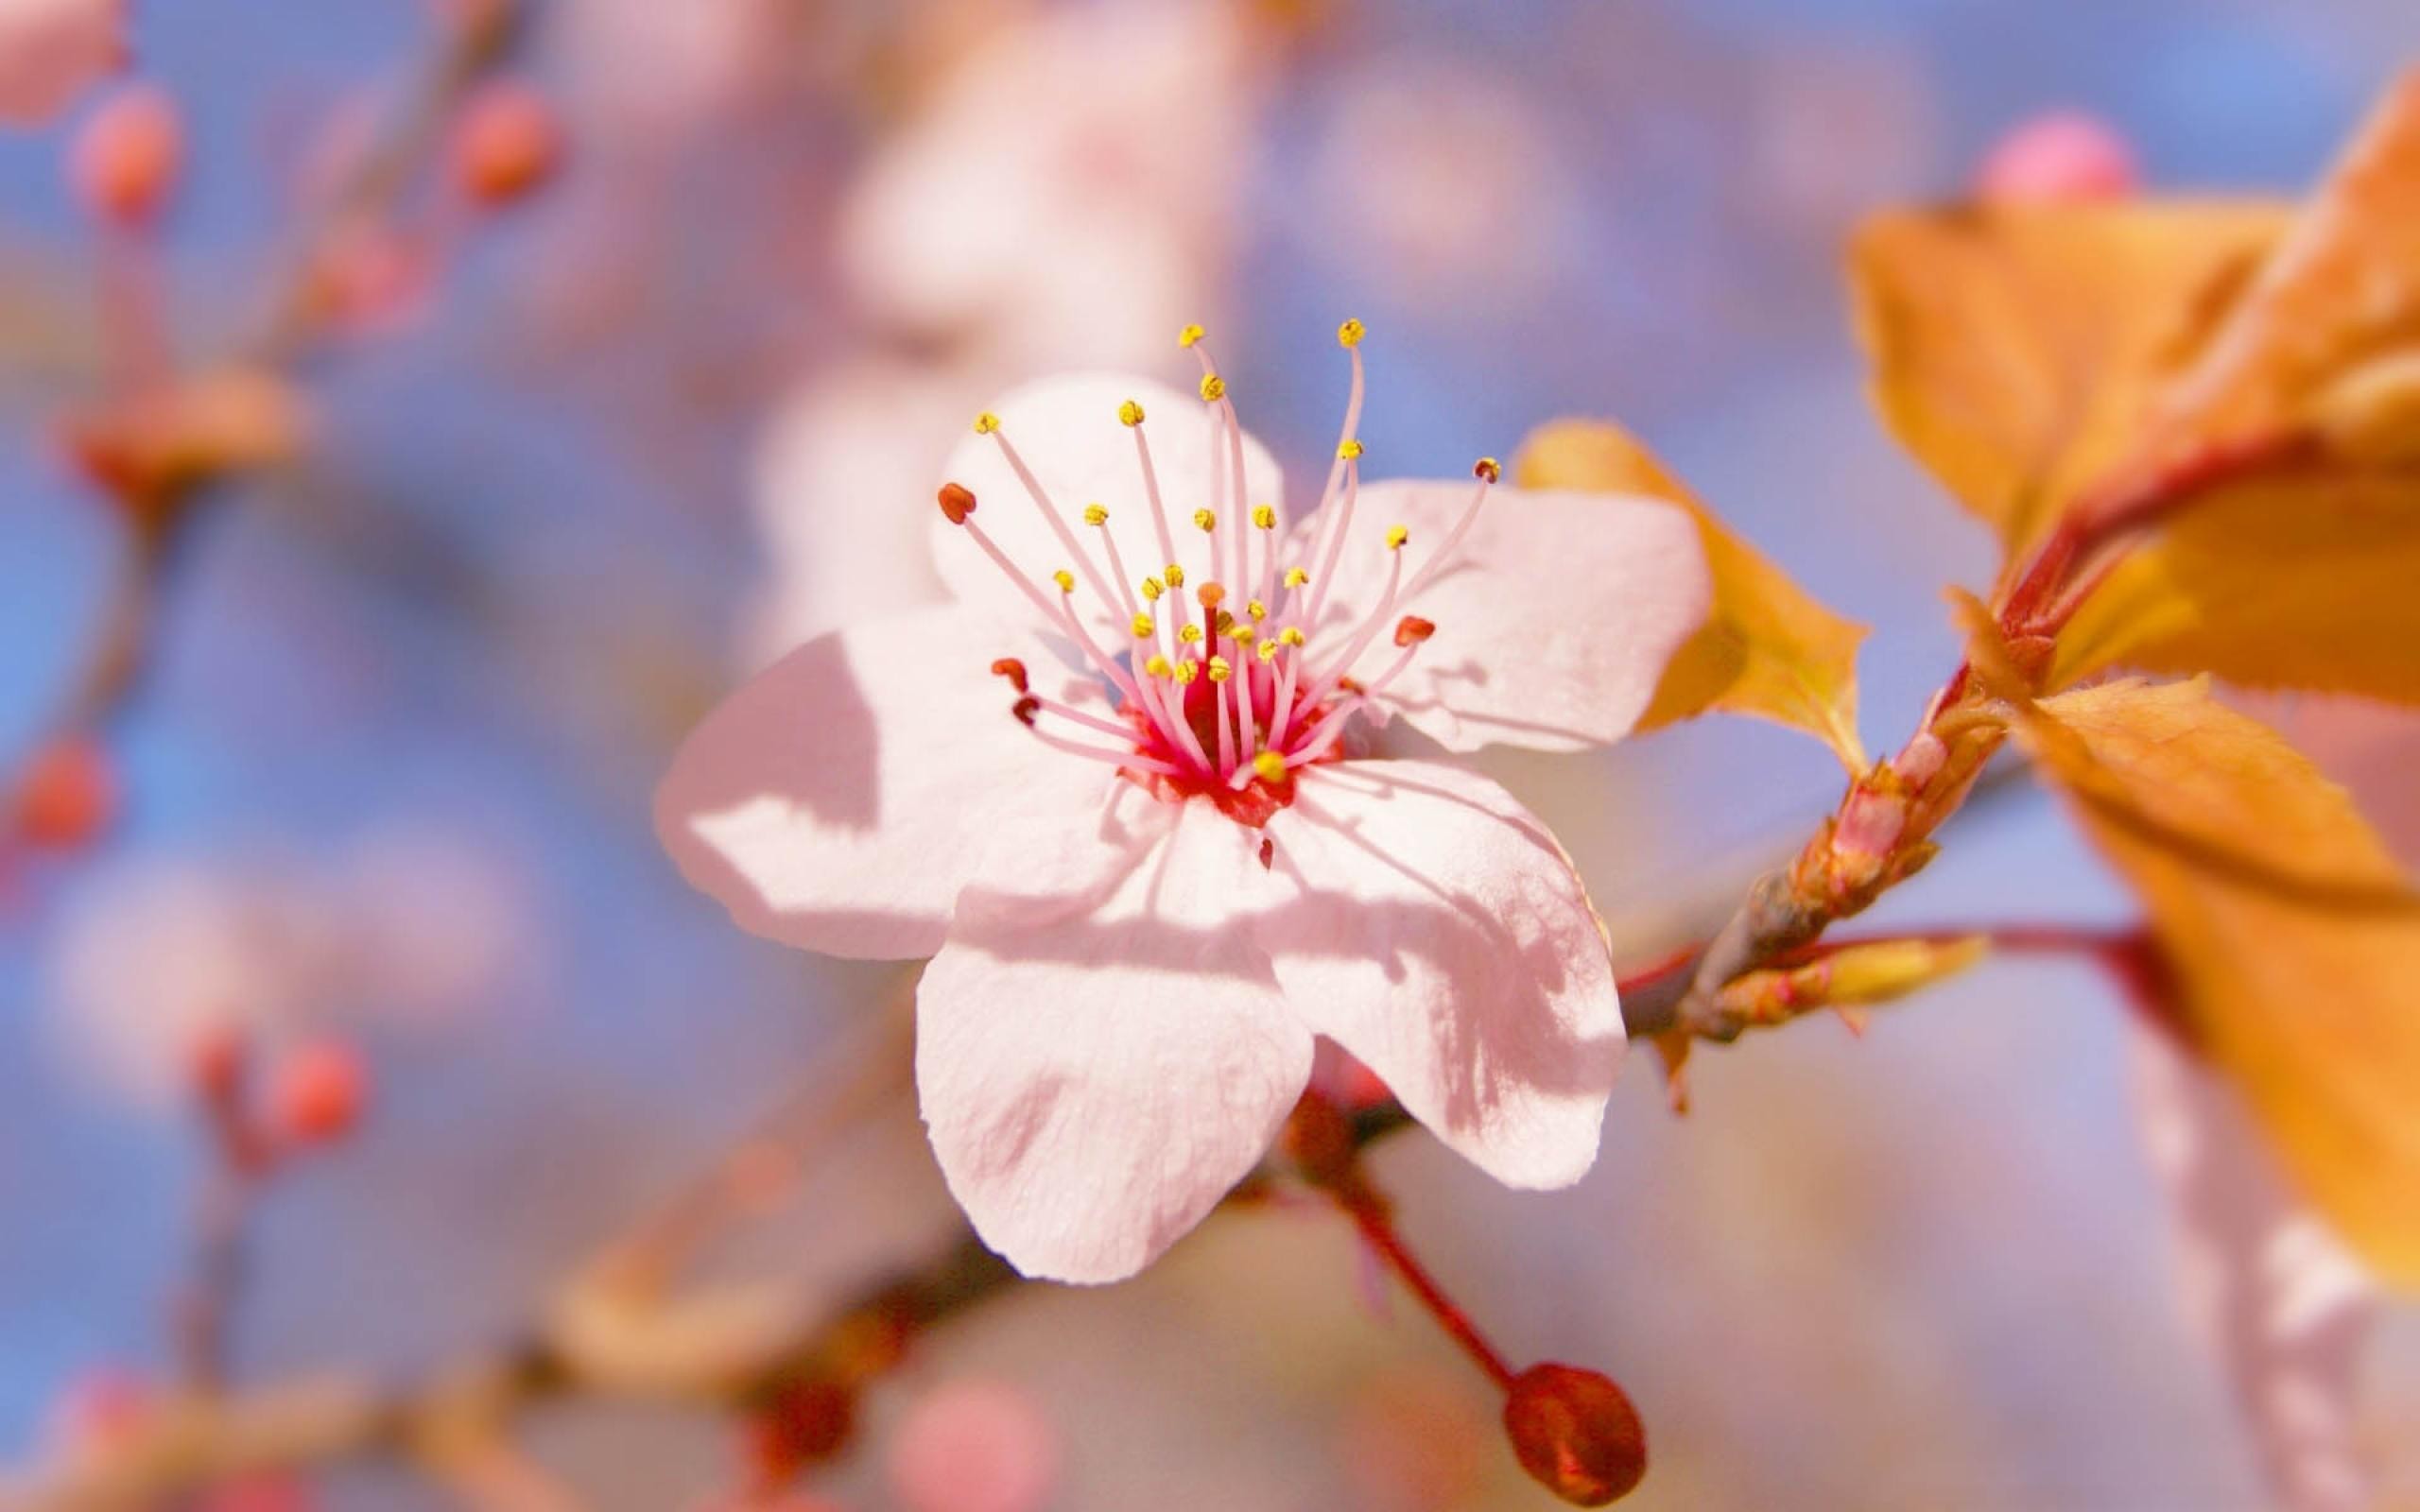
{"x": 1051, "y": 513}
{"x": 1453, "y": 537}
{"x": 1130, "y": 758}
{"x": 1326, "y": 681}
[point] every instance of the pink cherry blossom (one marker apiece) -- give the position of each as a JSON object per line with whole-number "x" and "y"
{"x": 1120, "y": 791}
{"x": 51, "y": 49}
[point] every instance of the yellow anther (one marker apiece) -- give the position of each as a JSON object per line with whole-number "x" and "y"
{"x": 1269, "y": 765}
{"x": 1396, "y": 535}
{"x": 1291, "y": 635}
{"x": 1205, "y": 520}
{"x": 1151, "y": 589}
{"x": 1187, "y": 671}
{"x": 1175, "y": 575}
{"x": 1219, "y": 671}
{"x": 1066, "y": 579}
{"x": 1214, "y": 387}
{"x": 1129, "y": 413}
{"x": 1187, "y": 336}
{"x": 1188, "y": 632}
{"x": 1349, "y": 334}
{"x": 1240, "y": 634}
{"x": 1269, "y": 650}
{"x": 1159, "y": 666}
{"x": 1143, "y": 627}
{"x": 1224, "y": 624}
{"x": 1488, "y": 468}
{"x": 1265, "y": 516}
{"x": 1348, "y": 449}
{"x": 1095, "y": 515}
{"x": 1296, "y": 577}
{"x": 986, "y": 423}
{"x": 1257, "y": 609}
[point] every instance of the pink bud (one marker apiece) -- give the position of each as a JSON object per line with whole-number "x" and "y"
{"x": 506, "y": 142}
{"x": 127, "y": 158}
{"x": 317, "y": 1093}
{"x": 2058, "y": 158}
{"x": 1576, "y": 1433}
{"x": 974, "y": 1447}
{"x": 67, "y": 795}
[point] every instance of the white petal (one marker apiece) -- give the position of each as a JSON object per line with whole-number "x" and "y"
{"x": 1430, "y": 925}
{"x": 841, "y": 799}
{"x": 1555, "y": 616}
{"x": 1096, "y": 1080}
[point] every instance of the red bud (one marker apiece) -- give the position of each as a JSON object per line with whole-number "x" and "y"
{"x": 506, "y": 142}
{"x": 127, "y": 158}
{"x": 317, "y": 1091}
{"x": 67, "y": 795}
{"x": 1576, "y": 1433}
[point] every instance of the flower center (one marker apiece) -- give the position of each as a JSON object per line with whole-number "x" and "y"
{"x": 1223, "y": 692}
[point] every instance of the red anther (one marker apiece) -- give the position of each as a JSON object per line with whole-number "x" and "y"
{"x": 1576, "y": 1433}
{"x": 507, "y": 142}
{"x": 1411, "y": 629}
{"x": 67, "y": 795}
{"x": 1025, "y": 708}
{"x": 317, "y": 1093}
{"x": 957, "y": 502}
{"x": 1487, "y": 466}
{"x": 1012, "y": 669}
{"x": 127, "y": 158}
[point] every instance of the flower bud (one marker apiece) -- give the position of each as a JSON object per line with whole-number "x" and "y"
{"x": 127, "y": 160}
{"x": 807, "y": 1423}
{"x": 2060, "y": 158}
{"x": 67, "y": 795}
{"x": 317, "y": 1093}
{"x": 1576, "y": 1433}
{"x": 506, "y": 142}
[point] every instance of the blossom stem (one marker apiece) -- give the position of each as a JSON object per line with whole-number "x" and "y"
{"x": 1327, "y": 1150}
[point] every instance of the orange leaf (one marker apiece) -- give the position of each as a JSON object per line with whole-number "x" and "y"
{"x": 2299, "y": 574}
{"x": 2015, "y": 349}
{"x": 2293, "y": 936}
{"x": 1768, "y": 650}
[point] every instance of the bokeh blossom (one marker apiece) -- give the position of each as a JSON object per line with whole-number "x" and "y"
{"x": 51, "y": 50}
{"x": 1116, "y": 790}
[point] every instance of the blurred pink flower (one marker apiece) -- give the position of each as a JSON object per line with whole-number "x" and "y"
{"x": 830, "y": 469}
{"x": 1073, "y": 182}
{"x": 51, "y": 50}
{"x": 1145, "y": 909}
{"x": 973, "y": 1445}
{"x": 1444, "y": 189}
{"x": 2062, "y": 156}
{"x": 2276, "y": 1300}
{"x": 404, "y": 931}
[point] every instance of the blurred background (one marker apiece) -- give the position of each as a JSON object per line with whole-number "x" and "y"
{"x": 569, "y": 466}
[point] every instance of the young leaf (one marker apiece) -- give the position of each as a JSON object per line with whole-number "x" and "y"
{"x": 2299, "y": 574}
{"x": 2292, "y": 935}
{"x": 2301, "y": 578}
{"x": 1768, "y": 650}
{"x": 2015, "y": 349}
